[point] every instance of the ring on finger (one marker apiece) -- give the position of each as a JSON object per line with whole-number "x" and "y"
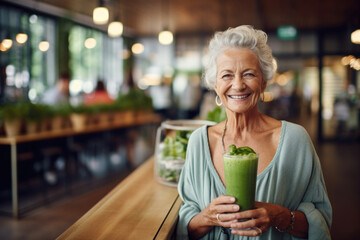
{"x": 217, "y": 217}
{"x": 259, "y": 230}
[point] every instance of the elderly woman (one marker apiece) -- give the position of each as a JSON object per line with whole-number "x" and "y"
{"x": 291, "y": 198}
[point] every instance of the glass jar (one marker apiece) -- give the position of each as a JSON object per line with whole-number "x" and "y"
{"x": 170, "y": 150}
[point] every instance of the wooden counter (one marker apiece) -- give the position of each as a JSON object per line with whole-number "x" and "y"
{"x": 138, "y": 208}
{"x": 12, "y": 142}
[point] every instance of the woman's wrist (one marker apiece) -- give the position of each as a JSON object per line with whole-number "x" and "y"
{"x": 290, "y": 226}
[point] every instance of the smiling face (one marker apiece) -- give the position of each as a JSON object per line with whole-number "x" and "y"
{"x": 239, "y": 80}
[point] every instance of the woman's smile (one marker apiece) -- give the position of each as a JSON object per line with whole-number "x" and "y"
{"x": 239, "y": 96}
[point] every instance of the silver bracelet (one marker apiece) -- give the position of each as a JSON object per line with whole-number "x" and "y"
{"x": 291, "y": 225}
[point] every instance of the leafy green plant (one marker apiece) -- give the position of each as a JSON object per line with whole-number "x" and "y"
{"x": 218, "y": 114}
{"x": 135, "y": 99}
{"x": 82, "y": 109}
{"x": 173, "y": 153}
{"x": 63, "y": 110}
{"x": 11, "y": 111}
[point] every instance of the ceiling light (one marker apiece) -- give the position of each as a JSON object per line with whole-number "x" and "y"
{"x": 44, "y": 46}
{"x": 90, "y": 43}
{"x": 166, "y": 37}
{"x": 355, "y": 36}
{"x": 137, "y": 48}
{"x": 115, "y": 29}
{"x": 2, "y": 48}
{"x": 7, "y": 43}
{"x": 21, "y": 38}
{"x": 101, "y": 14}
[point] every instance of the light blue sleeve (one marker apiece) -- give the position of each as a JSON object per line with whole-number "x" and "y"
{"x": 187, "y": 189}
{"x": 315, "y": 203}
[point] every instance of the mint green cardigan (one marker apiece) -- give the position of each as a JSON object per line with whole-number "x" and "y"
{"x": 293, "y": 179}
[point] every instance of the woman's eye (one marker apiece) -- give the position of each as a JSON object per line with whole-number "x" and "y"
{"x": 226, "y": 76}
{"x": 249, "y": 75}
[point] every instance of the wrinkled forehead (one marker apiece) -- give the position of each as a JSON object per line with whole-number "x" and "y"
{"x": 237, "y": 56}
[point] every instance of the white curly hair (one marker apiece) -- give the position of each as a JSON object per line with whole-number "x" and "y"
{"x": 244, "y": 36}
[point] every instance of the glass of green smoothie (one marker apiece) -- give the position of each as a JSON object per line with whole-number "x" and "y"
{"x": 240, "y": 165}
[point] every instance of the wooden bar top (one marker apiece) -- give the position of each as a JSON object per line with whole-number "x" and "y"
{"x": 137, "y": 208}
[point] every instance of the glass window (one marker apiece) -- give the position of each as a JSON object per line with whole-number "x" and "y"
{"x": 27, "y": 56}
{"x": 95, "y": 57}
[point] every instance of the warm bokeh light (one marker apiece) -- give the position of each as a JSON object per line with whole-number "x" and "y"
{"x": 44, "y": 46}
{"x": 21, "y": 38}
{"x": 7, "y": 43}
{"x": 137, "y": 48}
{"x": 90, "y": 43}
{"x": 346, "y": 60}
{"x": 268, "y": 96}
{"x": 126, "y": 54}
{"x": 2, "y": 48}
{"x": 355, "y": 64}
{"x": 282, "y": 80}
{"x": 166, "y": 37}
{"x": 115, "y": 29}
{"x": 355, "y": 36}
{"x": 101, "y": 15}
{"x": 351, "y": 61}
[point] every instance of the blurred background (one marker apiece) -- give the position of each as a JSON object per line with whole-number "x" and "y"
{"x": 144, "y": 60}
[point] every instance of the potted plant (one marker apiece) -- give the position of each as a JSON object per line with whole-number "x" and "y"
{"x": 32, "y": 117}
{"x": 12, "y": 115}
{"x": 60, "y": 114}
{"x": 79, "y": 116}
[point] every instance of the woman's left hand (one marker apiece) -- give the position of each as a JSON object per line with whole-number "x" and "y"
{"x": 258, "y": 220}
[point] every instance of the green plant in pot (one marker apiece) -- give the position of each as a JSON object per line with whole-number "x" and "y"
{"x": 60, "y": 116}
{"x": 12, "y": 115}
{"x": 79, "y": 115}
{"x": 33, "y": 115}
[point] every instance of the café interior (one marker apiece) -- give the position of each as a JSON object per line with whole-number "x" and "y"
{"x": 134, "y": 72}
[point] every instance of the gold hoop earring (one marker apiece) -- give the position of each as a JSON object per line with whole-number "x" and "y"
{"x": 218, "y": 101}
{"x": 263, "y": 97}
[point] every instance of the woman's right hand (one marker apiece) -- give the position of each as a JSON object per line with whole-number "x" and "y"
{"x": 220, "y": 212}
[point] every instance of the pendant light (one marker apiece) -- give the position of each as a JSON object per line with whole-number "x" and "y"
{"x": 7, "y": 43}
{"x": 21, "y": 38}
{"x": 115, "y": 28}
{"x": 44, "y": 46}
{"x": 165, "y": 37}
{"x": 101, "y": 14}
{"x": 355, "y": 36}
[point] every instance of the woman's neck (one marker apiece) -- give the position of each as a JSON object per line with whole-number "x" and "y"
{"x": 243, "y": 124}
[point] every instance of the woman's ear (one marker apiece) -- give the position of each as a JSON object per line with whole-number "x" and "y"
{"x": 215, "y": 89}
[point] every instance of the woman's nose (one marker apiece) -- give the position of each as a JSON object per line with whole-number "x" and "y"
{"x": 238, "y": 83}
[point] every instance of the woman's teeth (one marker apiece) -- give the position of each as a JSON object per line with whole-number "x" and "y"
{"x": 239, "y": 97}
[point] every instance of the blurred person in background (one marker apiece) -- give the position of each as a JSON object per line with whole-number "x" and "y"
{"x": 58, "y": 94}
{"x": 98, "y": 96}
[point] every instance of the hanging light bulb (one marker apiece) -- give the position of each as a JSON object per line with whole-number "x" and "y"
{"x": 21, "y": 38}
{"x": 355, "y": 36}
{"x": 115, "y": 29}
{"x": 166, "y": 37}
{"x": 44, "y": 46}
{"x": 3, "y": 48}
{"x": 101, "y": 14}
{"x": 7, "y": 43}
{"x": 137, "y": 48}
{"x": 90, "y": 43}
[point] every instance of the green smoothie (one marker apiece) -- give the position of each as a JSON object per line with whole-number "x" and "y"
{"x": 240, "y": 165}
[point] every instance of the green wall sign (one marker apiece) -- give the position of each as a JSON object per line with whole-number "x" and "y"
{"x": 287, "y": 32}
